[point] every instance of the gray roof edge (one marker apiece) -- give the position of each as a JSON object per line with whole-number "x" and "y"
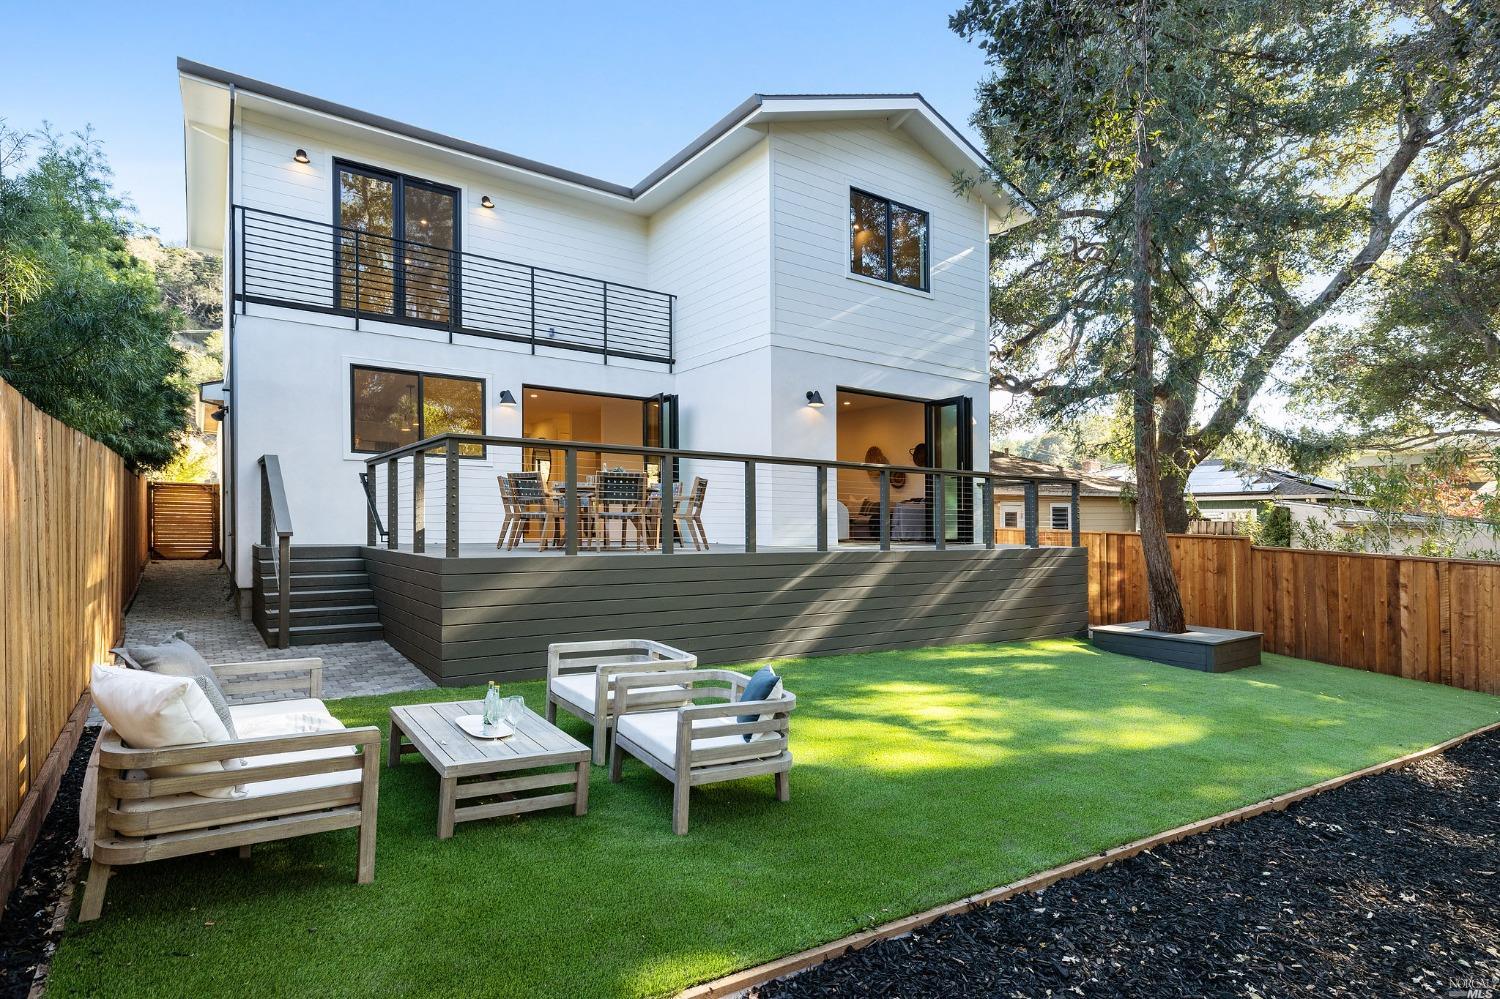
{"x": 398, "y": 127}
{"x": 707, "y": 138}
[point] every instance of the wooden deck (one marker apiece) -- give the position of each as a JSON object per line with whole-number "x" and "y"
{"x": 491, "y": 615}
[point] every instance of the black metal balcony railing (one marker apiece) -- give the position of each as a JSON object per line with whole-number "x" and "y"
{"x": 296, "y": 263}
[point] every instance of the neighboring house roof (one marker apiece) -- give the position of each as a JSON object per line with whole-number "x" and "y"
{"x": 1089, "y": 483}
{"x": 1218, "y": 480}
{"x": 205, "y": 97}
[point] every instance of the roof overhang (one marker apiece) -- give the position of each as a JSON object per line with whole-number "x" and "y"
{"x": 205, "y": 151}
{"x": 206, "y": 108}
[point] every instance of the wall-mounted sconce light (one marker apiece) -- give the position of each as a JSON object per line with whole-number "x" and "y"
{"x": 506, "y": 399}
{"x": 815, "y": 399}
{"x": 301, "y": 156}
{"x": 219, "y": 414}
{"x": 485, "y": 202}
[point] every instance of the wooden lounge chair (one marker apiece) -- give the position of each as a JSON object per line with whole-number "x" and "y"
{"x": 304, "y": 773}
{"x": 581, "y": 676}
{"x": 701, "y": 743}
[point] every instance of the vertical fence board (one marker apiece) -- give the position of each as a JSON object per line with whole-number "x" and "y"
{"x": 72, "y": 546}
{"x": 1427, "y": 619}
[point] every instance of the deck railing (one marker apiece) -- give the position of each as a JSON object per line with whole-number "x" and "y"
{"x": 973, "y": 491}
{"x": 296, "y": 263}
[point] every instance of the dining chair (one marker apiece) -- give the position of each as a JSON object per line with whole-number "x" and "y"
{"x": 620, "y": 497}
{"x": 687, "y": 513}
{"x": 526, "y": 501}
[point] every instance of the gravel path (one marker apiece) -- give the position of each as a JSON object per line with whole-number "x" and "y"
{"x": 1387, "y": 886}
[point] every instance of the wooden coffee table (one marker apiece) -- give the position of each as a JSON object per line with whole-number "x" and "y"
{"x": 470, "y": 768}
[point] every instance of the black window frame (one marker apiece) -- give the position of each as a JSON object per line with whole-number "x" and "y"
{"x": 421, "y": 377}
{"x": 399, "y": 181}
{"x": 890, "y": 203}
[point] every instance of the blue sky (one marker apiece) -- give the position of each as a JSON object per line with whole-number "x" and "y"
{"x": 599, "y": 88}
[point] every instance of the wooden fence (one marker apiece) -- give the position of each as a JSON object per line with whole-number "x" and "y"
{"x": 72, "y": 547}
{"x": 184, "y": 518}
{"x": 1426, "y": 619}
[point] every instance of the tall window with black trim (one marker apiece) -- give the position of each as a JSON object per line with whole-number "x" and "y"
{"x": 390, "y": 408}
{"x": 888, "y": 240}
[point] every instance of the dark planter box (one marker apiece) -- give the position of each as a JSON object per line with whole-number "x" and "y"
{"x": 1210, "y": 650}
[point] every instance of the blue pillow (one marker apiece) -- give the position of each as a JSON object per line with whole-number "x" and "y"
{"x": 758, "y": 689}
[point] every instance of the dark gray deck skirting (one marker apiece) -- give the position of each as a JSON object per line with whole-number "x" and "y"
{"x": 464, "y": 620}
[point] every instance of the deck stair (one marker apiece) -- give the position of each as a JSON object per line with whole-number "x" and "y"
{"x": 331, "y": 597}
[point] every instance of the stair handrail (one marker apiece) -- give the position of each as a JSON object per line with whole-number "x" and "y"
{"x": 375, "y": 523}
{"x": 276, "y": 534}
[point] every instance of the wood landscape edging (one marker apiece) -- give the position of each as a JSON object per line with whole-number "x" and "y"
{"x": 737, "y": 982}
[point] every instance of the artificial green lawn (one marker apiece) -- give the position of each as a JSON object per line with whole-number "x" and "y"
{"x": 921, "y": 777}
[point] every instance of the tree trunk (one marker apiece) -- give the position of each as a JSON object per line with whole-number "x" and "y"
{"x": 1162, "y": 597}
{"x": 1174, "y": 508}
{"x": 1173, "y": 426}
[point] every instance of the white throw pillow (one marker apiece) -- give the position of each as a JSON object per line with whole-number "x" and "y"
{"x": 153, "y": 711}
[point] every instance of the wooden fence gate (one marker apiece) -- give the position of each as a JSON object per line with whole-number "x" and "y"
{"x": 184, "y": 520}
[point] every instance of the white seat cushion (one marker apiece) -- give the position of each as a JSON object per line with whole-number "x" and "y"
{"x": 656, "y": 733}
{"x": 307, "y": 714}
{"x": 578, "y": 688}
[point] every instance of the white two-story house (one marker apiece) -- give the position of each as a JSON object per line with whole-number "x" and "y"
{"x": 807, "y": 278}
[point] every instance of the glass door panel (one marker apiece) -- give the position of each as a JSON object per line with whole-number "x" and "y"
{"x": 366, "y": 273}
{"x": 427, "y": 255}
{"x": 950, "y": 445}
{"x": 660, "y": 430}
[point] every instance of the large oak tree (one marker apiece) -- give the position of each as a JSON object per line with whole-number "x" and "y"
{"x": 1211, "y": 177}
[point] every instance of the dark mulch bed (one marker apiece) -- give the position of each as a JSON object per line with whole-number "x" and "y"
{"x": 26, "y": 937}
{"x": 1386, "y": 886}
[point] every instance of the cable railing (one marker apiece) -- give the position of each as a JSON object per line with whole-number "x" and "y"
{"x": 958, "y": 505}
{"x": 297, "y": 263}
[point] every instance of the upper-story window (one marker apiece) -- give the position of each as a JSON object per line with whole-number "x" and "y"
{"x": 401, "y": 262}
{"x": 887, "y": 240}
{"x": 389, "y": 408}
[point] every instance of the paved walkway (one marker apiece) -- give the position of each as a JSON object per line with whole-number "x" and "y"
{"x": 194, "y": 597}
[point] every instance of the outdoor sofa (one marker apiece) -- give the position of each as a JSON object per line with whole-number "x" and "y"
{"x": 292, "y": 769}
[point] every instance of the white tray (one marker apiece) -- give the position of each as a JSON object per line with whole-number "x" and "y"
{"x": 474, "y": 725}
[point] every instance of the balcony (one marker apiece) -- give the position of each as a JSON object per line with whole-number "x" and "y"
{"x": 296, "y": 263}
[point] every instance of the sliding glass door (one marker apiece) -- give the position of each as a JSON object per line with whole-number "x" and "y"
{"x": 401, "y": 263}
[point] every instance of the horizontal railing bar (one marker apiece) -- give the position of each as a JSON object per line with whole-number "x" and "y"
{"x": 442, "y": 440}
{"x": 379, "y": 238}
{"x": 300, "y": 263}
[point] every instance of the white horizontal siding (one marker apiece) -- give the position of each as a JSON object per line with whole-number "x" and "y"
{"x": 526, "y": 226}
{"x": 818, "y": 307}
{"x": 712, "y": 249}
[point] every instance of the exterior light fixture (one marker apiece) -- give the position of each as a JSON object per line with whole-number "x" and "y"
{"x": 301, "y": 156}
{"x": 219, "y": 414}
{"x": 506, "y": 399}
{"x": 485, "y": 202}
{"x": 815, "y": 399}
